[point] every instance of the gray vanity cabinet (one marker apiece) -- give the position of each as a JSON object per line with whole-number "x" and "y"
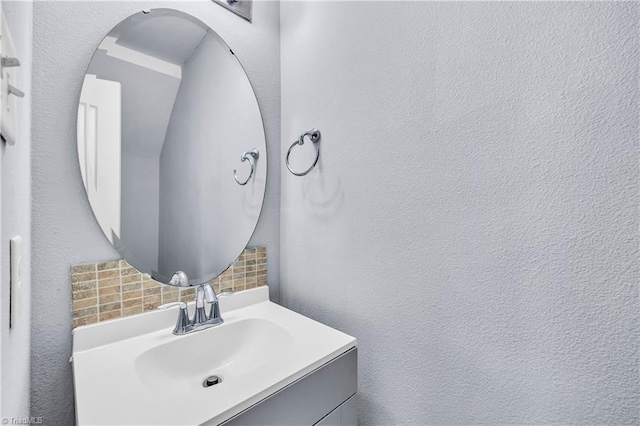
{"x": 345, "y": 415}
{"x": 324, "y": 397}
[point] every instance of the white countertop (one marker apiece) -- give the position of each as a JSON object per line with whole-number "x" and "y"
{"x": 120, "y": 379}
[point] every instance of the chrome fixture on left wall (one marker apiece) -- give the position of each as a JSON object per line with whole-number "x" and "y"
{"x": 10, "y": 93}
{"x": 242, "y": 8}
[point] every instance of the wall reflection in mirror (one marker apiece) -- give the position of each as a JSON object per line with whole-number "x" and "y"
{"x": 166, "y": 113}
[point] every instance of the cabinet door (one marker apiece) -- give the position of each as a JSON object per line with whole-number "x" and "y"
{"x": 349, "y": 412}
{"x": 333, "y": 419}
{"x": 344, "y": 415}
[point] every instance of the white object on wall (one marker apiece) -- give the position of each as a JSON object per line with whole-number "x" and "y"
{"x": 9, "y": 93}
{"x": 99, "y": 117}
{"x": 15, "y": 254}
{"x": 1, "y": 51}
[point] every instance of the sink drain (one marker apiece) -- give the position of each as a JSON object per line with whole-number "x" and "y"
{"x": 211, "y": 380}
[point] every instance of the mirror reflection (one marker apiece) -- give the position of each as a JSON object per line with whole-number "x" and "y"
{"x": 166, "y": 116}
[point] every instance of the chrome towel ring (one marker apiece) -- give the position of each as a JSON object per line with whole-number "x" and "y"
{"x": 251, "y": 156}
{"x": 314, "y": 136}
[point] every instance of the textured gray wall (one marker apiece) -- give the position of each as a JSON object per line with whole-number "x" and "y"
{"x": 64, "y": 230}
{"x": 15, "y": 184}
{"x": 473, "y": 219}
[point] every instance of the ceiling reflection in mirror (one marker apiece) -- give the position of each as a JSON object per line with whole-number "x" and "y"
{"x": 166, "y": 116}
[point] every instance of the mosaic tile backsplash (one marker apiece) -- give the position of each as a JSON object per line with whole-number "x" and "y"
{"x": 103, "y": 291}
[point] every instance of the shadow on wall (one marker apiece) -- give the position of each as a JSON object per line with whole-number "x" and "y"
{"x": 322, "y": 195}
{"x": 251, "y": 201}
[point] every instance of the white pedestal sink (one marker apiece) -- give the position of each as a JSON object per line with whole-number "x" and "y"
{"x": 134, "y": 371}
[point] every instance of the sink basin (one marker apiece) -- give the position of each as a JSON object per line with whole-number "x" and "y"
{"x": 135, "y": 371}
{"x": 228, "y": 352}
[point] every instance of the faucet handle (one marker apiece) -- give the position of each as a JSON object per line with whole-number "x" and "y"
{"x": 214, "y": 312}
{"x": 182, "y": 305}
{"x": 182, "y": 324}
{"x": 214, "y": 316}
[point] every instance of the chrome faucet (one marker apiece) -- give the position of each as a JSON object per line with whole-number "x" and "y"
{"x": 205, "y": 292}
{"x": 201, "y": 319}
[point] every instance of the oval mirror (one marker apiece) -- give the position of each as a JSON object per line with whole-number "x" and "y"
{"x": 171, "y": 146}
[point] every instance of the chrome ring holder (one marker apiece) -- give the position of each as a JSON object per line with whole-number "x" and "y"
{"x": 251, "y": 156}
{"x": 314, "y": 136}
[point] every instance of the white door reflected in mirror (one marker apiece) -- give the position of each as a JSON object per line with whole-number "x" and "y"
{"x": 99, "y": 117}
